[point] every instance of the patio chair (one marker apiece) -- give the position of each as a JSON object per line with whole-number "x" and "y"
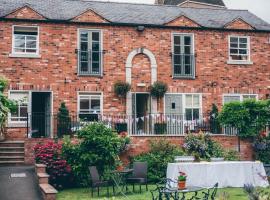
{"x": 211, "y": 193}
{"x": 96, "y": 182}
{"x": 139, "y": 175}
{"x": 164, "y": 189}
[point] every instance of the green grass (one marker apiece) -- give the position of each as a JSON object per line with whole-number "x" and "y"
{"x": 84, "y": 193}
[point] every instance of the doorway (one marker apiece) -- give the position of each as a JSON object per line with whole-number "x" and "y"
{"x": 41, "y": 114}
{"x": 141, "y": 108}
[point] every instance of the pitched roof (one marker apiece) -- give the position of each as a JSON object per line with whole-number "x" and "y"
{"x": 177, "y": 2}
{"x": 133, "y": 13}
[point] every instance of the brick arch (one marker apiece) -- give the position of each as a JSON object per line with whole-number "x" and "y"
{"x": 153, "y": 66}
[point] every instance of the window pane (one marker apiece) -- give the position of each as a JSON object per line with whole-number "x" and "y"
{"x": 84, "y": 37}
{"x": 233, "y": 51}
{"x": 243, "y": 46}
{"x": 177, "y": 49}
{"x": 196, "y": 114}
{"x": 31, "y": 50}
{"x": 243, "y": 40}
{"x": 95, "y": 67}
{"x": 19, "y": 43}
{"x": 187, "y": 69}
{"x": 234, "y": 45}
{"x": 243, "y": 51}
{"x": 228, "y": 99}
{"x": 84, "y": 66}
{"x": 177, "y": 40}
{"x": 31, "y": 44}
{"x": 245, "y": 97}
{"x": 95, "y": 36}
{"x": 188, "y": 114}
{"x": 187, "y": 40}
{"x": 177, "y": 69}
{"x": 84, "y": 46}
{"x": 31, "y": 38}
{"x": 95, "y": 105}
{"x": 19, "y": 50}
{"x": 177, "y": 59}
{"x": 187, "y": 60}
{"x": 84, "y": 104}
{"x": 187, "y": 50}
{"x": 95, "y": 56}
{"x": 23, "y": 111}
{"x": 196, "y": 100}
{"x": 95, "y": 46}
{"x": 234, "y": 40}
{"x": 84, "y": 56}
{"x": 188, "y": 100}
{"x": 25, "y": 30}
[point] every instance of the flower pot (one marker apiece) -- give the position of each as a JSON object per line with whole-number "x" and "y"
{"x": 181, "y": 185}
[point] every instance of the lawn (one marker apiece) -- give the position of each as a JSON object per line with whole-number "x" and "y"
{"x": 84, "y": 193}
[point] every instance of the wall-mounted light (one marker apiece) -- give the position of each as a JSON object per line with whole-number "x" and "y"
{"x": 140, "y": 28}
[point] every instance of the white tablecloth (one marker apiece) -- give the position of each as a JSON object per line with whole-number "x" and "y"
{"x": 226, "y": 174}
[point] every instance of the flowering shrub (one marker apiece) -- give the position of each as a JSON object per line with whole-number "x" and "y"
{"x": 262, "y": 148}
{"x": 58, "y": 169}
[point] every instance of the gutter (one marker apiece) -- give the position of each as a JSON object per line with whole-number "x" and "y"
{"x": 59, "y": 21}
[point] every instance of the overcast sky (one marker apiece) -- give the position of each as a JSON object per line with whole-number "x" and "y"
{"x": 259, "y": 7}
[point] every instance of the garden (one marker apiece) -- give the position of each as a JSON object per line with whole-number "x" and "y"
{"x": 68, "y": 159}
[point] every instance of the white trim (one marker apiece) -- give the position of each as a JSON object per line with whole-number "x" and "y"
{"x": 192, "y": 50}
{"x": 101, "y": 50}
{"x": 26, "y": 54}
{"x": 239, "y": 62}
{"x": 206, "y": 4}
{"x": 238, "y": 94}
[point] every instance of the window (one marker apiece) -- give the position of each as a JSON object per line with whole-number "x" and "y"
{"x": 183, "y": 56}
{"x": 90, "y": 53}
{"x": 25, "y": 40}
{"x": 239, "y": 48}
{"x": 89, "y": 106}
{"x": 192, "y": 106}
{"x": 227, "y": 98}
{"x": 20, "y": 115}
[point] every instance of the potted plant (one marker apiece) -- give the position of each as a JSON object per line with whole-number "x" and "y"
{"x": 121, "y": 88}
{"x": 182, "y": 178}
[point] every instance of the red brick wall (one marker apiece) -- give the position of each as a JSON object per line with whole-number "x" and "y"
{"x": 58, "y": 63}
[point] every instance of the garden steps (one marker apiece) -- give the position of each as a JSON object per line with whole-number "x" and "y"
{"x": 40, "y": 168}
{"x": 48, "y": 191}
{"x": 11, "y": 152}
{"x": 43, "y": 178}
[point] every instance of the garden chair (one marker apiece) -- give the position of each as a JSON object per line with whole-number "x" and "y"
{"x": 96, "y": 182}
{"x": 211, "y": 193}
{"x": 164, "y": 189}
{"x": 139, "y": 175}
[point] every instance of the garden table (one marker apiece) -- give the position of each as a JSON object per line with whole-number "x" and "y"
{"x": 226, "y": 174}
{"x": 119, "y": 178}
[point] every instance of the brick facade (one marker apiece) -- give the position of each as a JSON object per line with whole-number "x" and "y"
{"x": 56, "y": 69}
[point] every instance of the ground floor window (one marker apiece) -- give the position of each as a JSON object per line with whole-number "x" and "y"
{"x": 89, "y": 106}
{"x": 22, "y": 99}
{"x": 192, "y": 106}
{"x": 227, "y": 98}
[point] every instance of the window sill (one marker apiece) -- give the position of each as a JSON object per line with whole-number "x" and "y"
{"x": 14, "y": 55}
{"x": 17, "y": 125}
{"x": 183, "y": 77}
{"x": 239, "y": 62}
{"x": 94, "y": 75}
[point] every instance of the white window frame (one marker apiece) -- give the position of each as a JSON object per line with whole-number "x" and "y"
{"x": 89, "y": 93}
{"x": 12, "y": 123}
{"x": 240, "y": 95}
{"x": 101, "y": 50}
{"x": 186, "y": 107}
{"x": 248, "y": 61}
{"x": 25, "y": 54}
{"x": 192, "y": 52}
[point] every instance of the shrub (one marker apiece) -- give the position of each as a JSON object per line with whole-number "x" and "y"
{"x": 249, "y": 117}
{"x": 214, "y": 123}
{"x": 63, "y": 121}
{"x": 58, "y": 169}
{"x": 158, "y": 89}
{"x": 161, "y": 153}
{"x": 231, "y": 155}
{"x": 262, "y": 148}
{"x": 98, "y": 146}
{"x": 121, "y": 88}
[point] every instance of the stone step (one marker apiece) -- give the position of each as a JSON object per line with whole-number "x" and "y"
{"x": 11, "y": 153}
{"x": 40, "y": 168}
{"x": 48, "y": 191}
{"x": 8, "y": 163}
{"x": 11, "y": 149}
{"x": 12, "y": 143}
{"x": 11, "y": 158}
{"x": 43, "y": 178}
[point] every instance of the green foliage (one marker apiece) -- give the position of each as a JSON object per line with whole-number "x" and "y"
{"x": 98, "y": 146}
{"x": 203, "y": 147}
{"x": 161, "y": 153}
{"x": 249, "y": 117}
{"x": 214, "y": 123}
{"x": 121, "y": 88}
{"x": 261, "y": 148}
{"x": 158, "y": 89}
{"x": 63, "y": 121}
{"x": 6, "y": 105}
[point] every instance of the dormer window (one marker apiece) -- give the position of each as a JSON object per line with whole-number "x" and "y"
{"x": 25, "y": 40}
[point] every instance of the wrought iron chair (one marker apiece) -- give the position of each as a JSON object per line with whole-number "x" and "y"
{"x": 96, "y": 182}
{"x": 164, "y": 190}
{"x": 139, "y": 175}
{"x": 211, "y": 193}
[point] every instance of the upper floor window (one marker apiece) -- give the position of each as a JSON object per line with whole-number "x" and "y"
{"x": 90, "y": 53}
{"x": 239, "y": 49}
{"x": 183, "y": 56}
{"x": 89, "y": 106}
{"x": 25, "y": 40}
{"x": 22, "y": 99}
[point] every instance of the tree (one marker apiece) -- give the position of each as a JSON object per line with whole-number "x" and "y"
{"x": 6, "y": 106}
{"x": 214, "y": 123}
{"x": 63, "y": 120}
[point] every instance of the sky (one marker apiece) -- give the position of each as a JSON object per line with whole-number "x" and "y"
{"x": 261, "y": 8}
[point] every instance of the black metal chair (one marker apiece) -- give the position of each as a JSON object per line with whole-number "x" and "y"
{"x": 96, "y": 182}
{"x": 164, "y": 190}
{"x": 139, "y": 175}
{"x": 211, "y": 193}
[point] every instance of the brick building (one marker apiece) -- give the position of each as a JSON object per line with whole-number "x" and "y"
{"x": 74, "y": 51}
